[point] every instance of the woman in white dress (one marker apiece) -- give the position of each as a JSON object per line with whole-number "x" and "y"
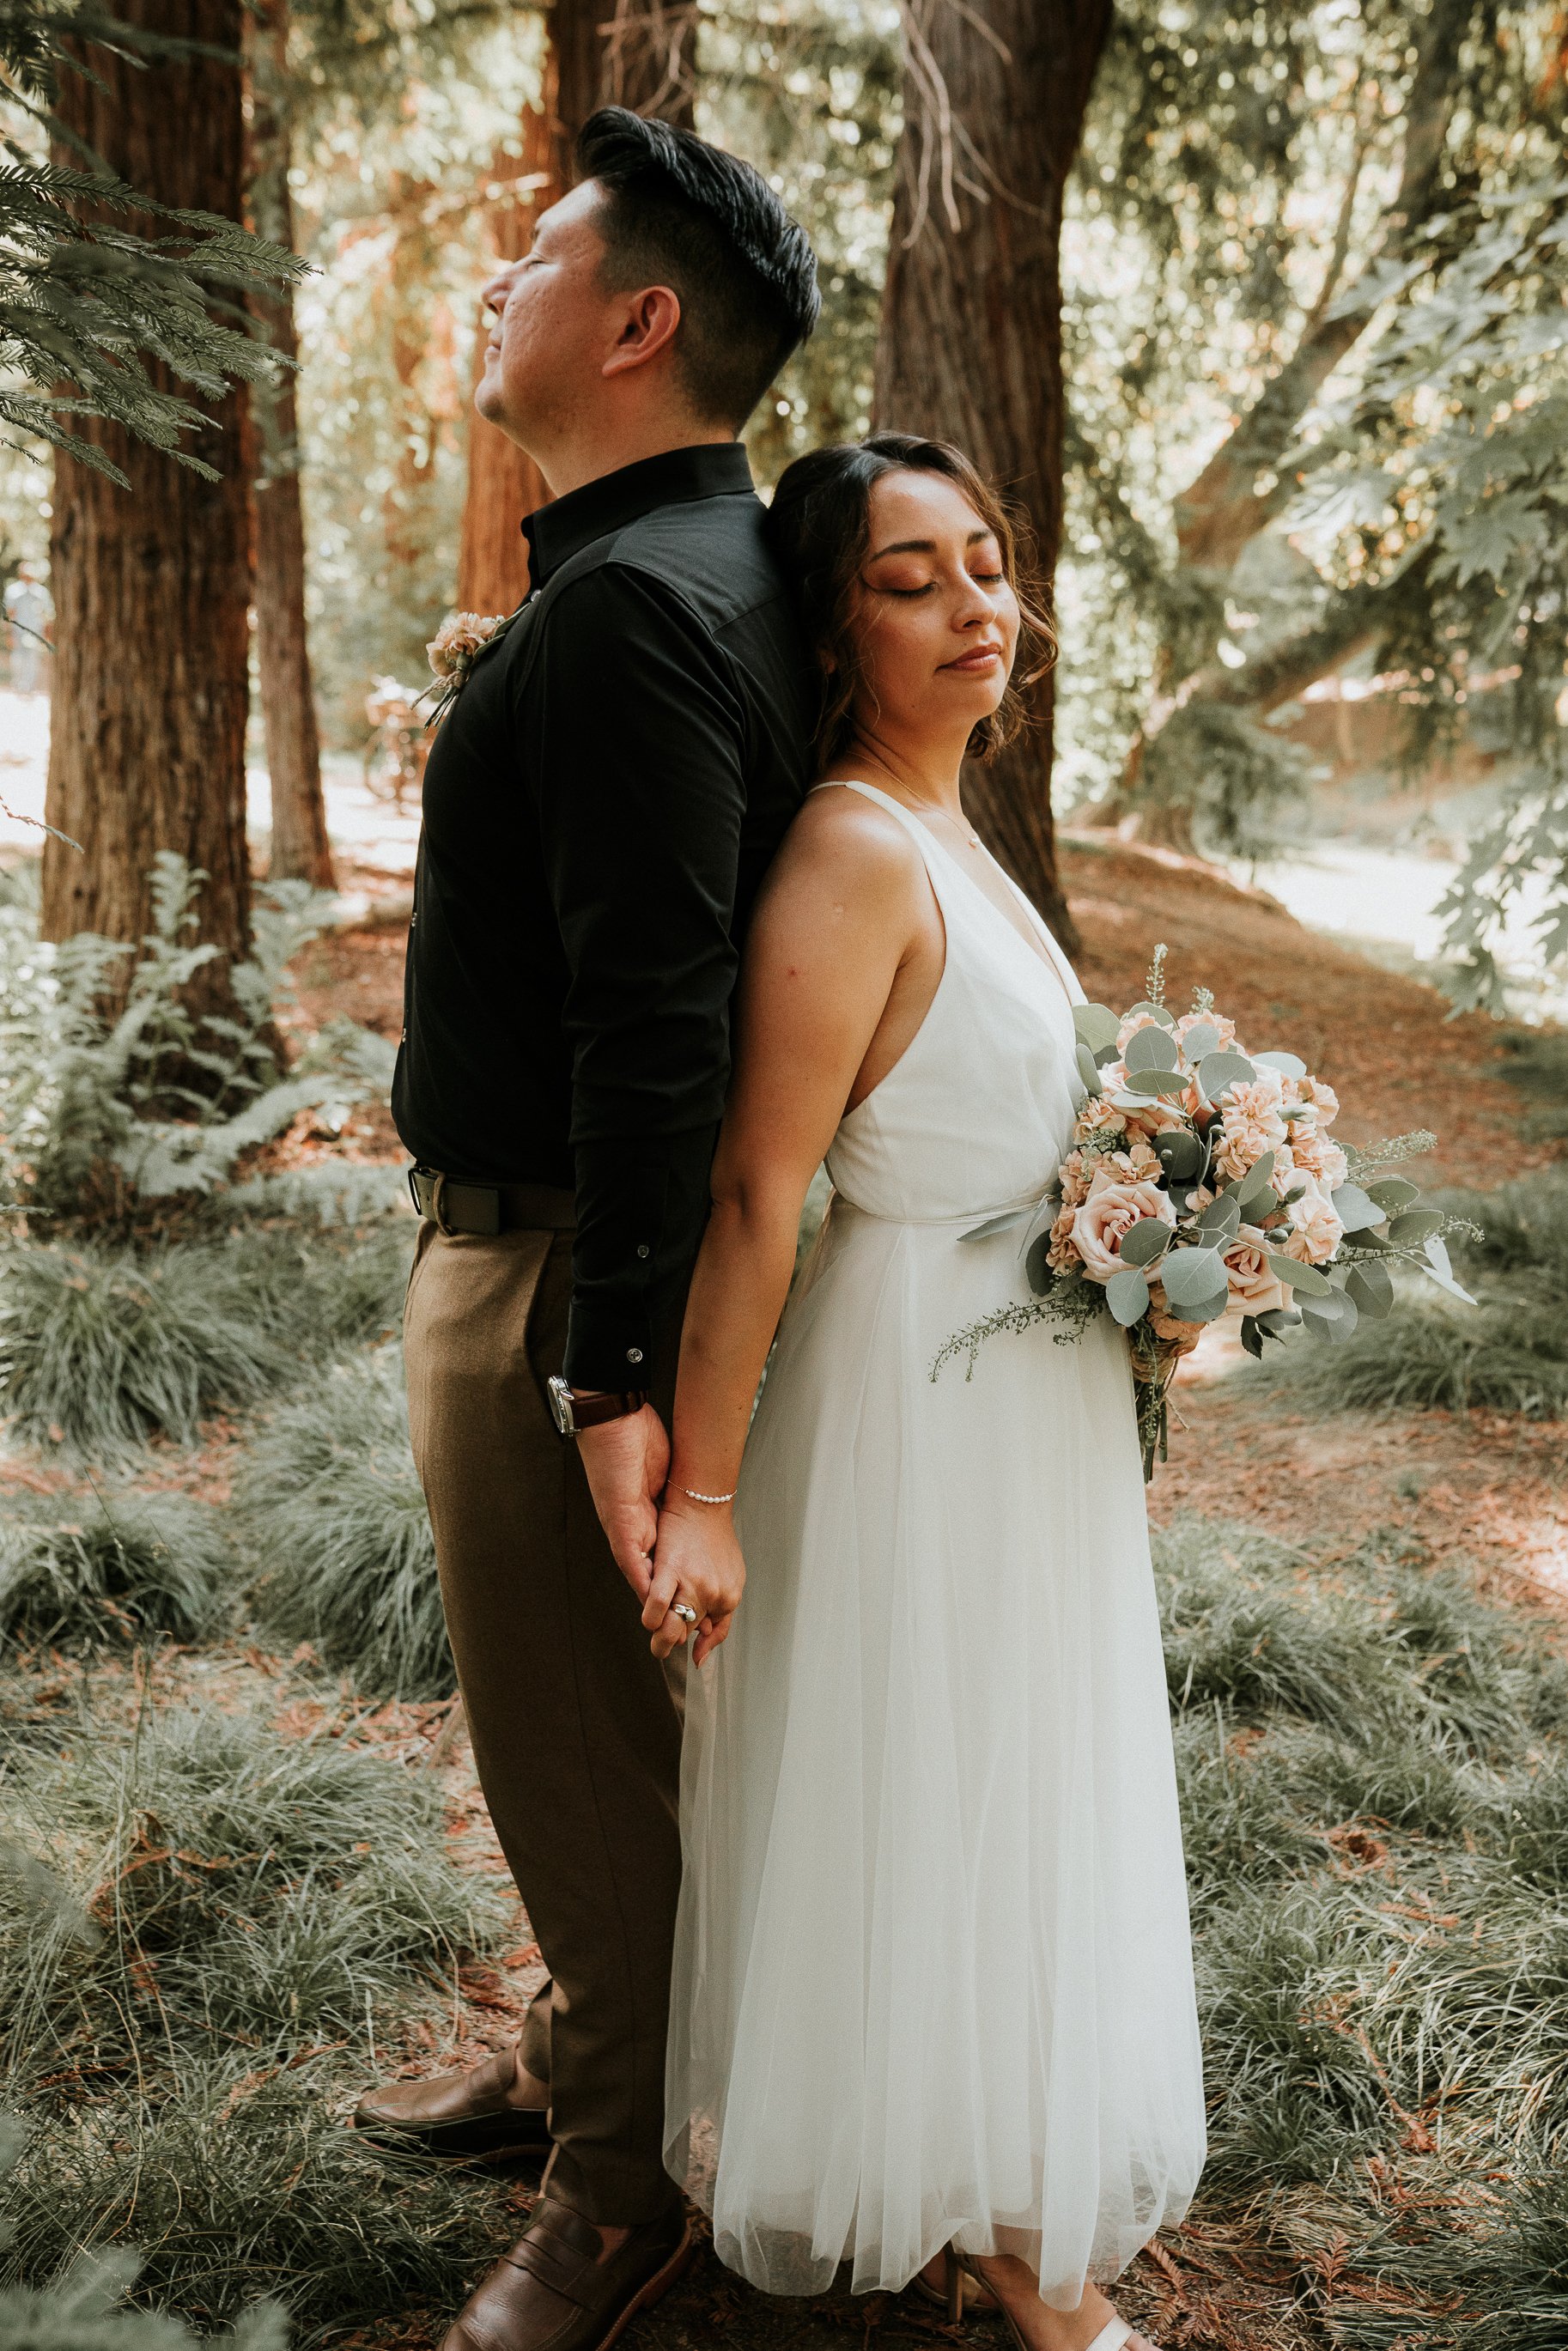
{"x": 933, "y": 2012}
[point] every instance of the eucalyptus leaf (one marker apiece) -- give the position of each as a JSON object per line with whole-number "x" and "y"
{"x": 1393, "y": 1193}
{"x": 1191, "y": 1276}
{"x": 1415, "y": 1226}
{"x": 1179, "y": 1153}
{"x": 1286, "y": 1064}
{"x": 1202, "y": 1037}
{"x": 1127, "y": 1295}
{"x": 1160, "y": 1012}
{"x": 1251, "y": 1337}
{"x": 1218, "y": 1071}
{"x": 1157, "y": 1081}
{"x": 1440, "y": 1269}
{"x": 1304, "y": 1279}
{"x": 1149, "y": 1238}
{"x": 1333, "y": 1316}
{"x": 1356, "y": 1210}
{"x": 1036, "y": 1271}
{"x": 1208, "y": 1310}
{"x": 1096, "y": 1025}
{"x": 1089, "y": 1070}
{"x": 1372, "y": 1289}
{"x": 1222, "y": 1219}
{"x": 1007, "y": 1223}
{"x": 1150, "y": 1049}
{"x": 1278, "y": 1321}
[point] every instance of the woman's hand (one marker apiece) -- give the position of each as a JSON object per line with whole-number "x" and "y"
{"x": 697, "y": 1559}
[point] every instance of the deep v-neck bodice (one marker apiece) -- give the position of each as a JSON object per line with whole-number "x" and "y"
{"x": 977, "y": 1110}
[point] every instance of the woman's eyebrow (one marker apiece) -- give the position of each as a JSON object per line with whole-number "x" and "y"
{"x": 923, "y": 546}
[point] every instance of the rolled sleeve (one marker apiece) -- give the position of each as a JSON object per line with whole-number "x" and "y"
{"x": 636, "y": 726}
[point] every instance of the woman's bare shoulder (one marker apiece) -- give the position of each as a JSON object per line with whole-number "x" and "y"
{"x": 841, "y": 835}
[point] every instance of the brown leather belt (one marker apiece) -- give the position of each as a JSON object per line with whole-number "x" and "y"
{"x": 487, "y": 1208}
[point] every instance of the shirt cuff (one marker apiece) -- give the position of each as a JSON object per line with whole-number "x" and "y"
{"x": 640, "y": 1222}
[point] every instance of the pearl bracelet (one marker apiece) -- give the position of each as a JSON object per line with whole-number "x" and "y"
{"x": 694, "y": 1497}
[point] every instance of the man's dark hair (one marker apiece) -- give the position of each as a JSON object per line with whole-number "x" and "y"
{"x": 679, "y": 212}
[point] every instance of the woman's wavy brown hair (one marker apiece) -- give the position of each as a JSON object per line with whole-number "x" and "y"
{"x": 820, "y": 525}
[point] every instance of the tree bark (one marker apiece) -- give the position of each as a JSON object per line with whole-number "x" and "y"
{"x": 301, "y": 851}
{"x": 504, "y": 483}
{"x": 969, "y": 349}
{"x": 644, "y": 60}
{"x": 151, "y": 585}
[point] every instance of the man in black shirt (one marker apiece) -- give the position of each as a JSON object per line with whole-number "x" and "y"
{"x": 601, "y": 802}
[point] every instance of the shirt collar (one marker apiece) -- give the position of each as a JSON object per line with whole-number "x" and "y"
{"x": 562, "y": 529}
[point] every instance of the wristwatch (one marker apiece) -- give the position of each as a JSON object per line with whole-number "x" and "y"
{"x": 572, "y": 1413}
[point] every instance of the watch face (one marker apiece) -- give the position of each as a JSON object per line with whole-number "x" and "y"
{"x": 560, "y": 1403}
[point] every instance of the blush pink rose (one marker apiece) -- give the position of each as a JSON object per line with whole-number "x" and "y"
{"x": 1107, "y": 1216}
{"x": 1254, "y": 1287}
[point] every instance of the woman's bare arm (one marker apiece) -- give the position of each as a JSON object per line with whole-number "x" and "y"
{"x": 846, "y": 912}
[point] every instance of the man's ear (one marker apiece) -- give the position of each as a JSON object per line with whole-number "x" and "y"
{"x": 648, "y": 328}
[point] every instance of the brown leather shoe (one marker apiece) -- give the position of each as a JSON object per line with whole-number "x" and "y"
{"x": 471, "y": 2114}
{"x": 552, "y": 2293}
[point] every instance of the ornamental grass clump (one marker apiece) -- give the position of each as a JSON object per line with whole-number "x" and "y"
{"x": 330, "y": 1506}
{"x": 91, "y": 1568}
{"x": 1374, "y": 1767}
{"x": 104, "y": 1348}
{"x": 205, "y": 1921}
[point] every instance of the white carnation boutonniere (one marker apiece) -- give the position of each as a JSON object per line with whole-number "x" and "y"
{"x": 453, "y": 649}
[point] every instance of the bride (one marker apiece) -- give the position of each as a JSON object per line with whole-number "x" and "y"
{"x": 932, "y": 2010}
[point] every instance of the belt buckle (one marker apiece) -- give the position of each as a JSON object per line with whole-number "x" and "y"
{"x": 437, "y": 1208}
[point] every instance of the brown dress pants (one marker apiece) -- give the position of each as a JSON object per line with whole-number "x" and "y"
{"x": 576, "y": 1726}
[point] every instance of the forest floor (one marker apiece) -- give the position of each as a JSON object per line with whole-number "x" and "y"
{"x": 1486, "y": 1490}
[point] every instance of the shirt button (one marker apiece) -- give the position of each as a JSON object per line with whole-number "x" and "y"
{"x": 642, "y": 1248}
{"x": 402, "y": 1039}
{"x": 634, "y": 1354}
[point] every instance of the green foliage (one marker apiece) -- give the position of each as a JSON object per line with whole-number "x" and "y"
{"x": 86, "y": 1096}
{"x": 1536, "y": 1063}
{"x": 331, "y": 1506}
{"x": 1373, "y": 1768}
{"x": 101, "y": 1348}
{"x": 1324, "y": 419}
{"x": 1509, "y": 1353}
{"x": 202, "y": 1910}
{"x": 89, "y": 303}
{"x": 95, "y": 1567}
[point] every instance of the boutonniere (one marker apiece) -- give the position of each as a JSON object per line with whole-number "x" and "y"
{"x": 453, "y": 649}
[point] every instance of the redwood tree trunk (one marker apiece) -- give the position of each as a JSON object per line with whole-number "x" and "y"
{"x": 300, "y": 848}
{"x": 970, "y": 343}
{"x": 504, "y": 483}
{"x": 641, "y": 57}
{"x": 151, "y": 585}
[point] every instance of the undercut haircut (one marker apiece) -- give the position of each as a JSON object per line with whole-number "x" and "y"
{"x": 679, "y": 212}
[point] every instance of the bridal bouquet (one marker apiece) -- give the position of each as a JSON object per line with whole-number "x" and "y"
{"x": 1203, "y": 1181}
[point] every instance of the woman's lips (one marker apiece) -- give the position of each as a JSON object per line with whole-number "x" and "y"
{"x": 981, "y": 657}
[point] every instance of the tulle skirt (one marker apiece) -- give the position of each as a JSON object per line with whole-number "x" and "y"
{"x": 933, "y": 1972}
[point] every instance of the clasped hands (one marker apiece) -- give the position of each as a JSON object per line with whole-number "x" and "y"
{"x": 666, "y": 1546}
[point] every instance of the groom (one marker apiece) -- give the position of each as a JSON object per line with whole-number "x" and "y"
{"x": 600, "y": 806}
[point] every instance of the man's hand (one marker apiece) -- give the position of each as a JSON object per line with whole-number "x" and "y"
{"x": 626, "y": 1462}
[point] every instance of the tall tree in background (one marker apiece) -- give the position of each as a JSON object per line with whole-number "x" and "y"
{"x": 300, "y": 848}
{"x": 152, "y": 584}
{"x": 642, "y": 58}
{"x": 970, "y": 342}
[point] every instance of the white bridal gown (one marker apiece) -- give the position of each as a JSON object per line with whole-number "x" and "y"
{"x": 932, "y": 1974}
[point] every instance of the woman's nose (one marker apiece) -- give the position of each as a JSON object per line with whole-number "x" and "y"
{"x": 496, "y": 289}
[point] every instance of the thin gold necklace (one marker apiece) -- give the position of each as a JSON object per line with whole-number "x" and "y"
{"x": 936, "y": 809}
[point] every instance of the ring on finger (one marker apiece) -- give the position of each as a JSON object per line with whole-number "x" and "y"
{"x": 688, "y": 1615}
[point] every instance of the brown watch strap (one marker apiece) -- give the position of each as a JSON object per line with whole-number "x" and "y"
{"x": 593, "y": 1412}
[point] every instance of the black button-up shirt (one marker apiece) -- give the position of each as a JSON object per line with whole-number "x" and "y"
{"x": 600, "y": 803}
